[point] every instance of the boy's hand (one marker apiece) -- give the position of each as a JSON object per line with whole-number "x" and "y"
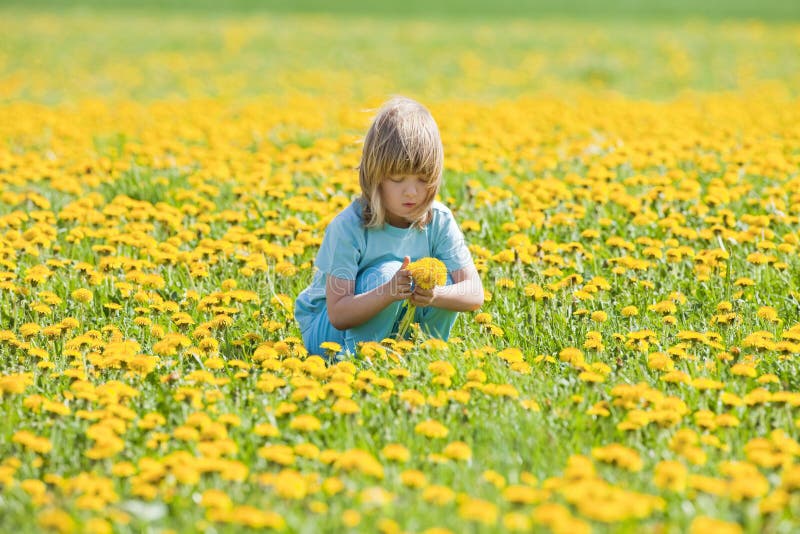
{"x": 423, "y": 297}
{"x": 400, "y": 283}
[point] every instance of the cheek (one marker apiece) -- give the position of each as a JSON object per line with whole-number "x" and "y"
{"x": 388, "y": 191}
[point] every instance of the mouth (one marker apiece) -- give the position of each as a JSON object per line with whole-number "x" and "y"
{"x": 409, "y": 204}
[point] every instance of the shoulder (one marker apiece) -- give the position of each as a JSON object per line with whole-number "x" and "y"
{"x": 443, "y": 227}
{"x": 348, "y": 220}
{"x": 448, "y": 243}
{"x": 441, "y": 215}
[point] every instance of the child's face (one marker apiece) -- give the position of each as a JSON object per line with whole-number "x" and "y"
{"x": 403, "y": 197}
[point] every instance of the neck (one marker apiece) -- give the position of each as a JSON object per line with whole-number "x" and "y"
{"x": 399, "y": 223}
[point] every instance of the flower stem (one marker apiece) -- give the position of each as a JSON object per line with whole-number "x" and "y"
{"x": 408, "y": 318}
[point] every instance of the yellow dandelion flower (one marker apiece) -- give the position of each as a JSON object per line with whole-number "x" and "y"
{"x": 279, "y": 454}
{"x": 483, "y": 318}
{"x": 708, "y": 525}
{"x": 478, "y": 510}
{"x": 431, "y": 429}
{"x": 82, "y": 295}
{"x": 345, "y": 406}
{"x": 305, "y": 423}
{"x": 671, "y": 475}
{"x": 571, "y": 355}
{"x": 494, "y": 478}
{"x": 55, "y": 519}
{"x": 359, "y": 460}
{"x": 413, "y": 478}
{"x": 442, "y": 368}
{"x": 521, "y": 494}
{"x": 619, "y": 455}
{"x": 332, "y": 485}
{"x": 351, "y": 518}
{"x": 29, "y": 329}
{"x": 331, "y": 346}
{"x": 428, "y": 272}
{"x": 768, "y": 313}
{"x": 458, "y": 450}
{"x": 590, "y": 376}
{"x": 516, "y": 522}
{"x": 438, "y": 495}
{"x": 396, "y": 452}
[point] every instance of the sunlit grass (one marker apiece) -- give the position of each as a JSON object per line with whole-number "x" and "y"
{"x": 631, "y": 370}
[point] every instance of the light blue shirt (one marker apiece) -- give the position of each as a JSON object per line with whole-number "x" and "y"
{"x": 349, "y": 248}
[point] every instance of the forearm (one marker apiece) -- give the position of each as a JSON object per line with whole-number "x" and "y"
{"x": 466, "y": 295}
{"x": 354, "y": 310}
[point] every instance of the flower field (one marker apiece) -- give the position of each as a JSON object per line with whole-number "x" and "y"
{"x": 631, "y": 195}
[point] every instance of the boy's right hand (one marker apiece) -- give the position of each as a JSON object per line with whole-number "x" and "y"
{"x": 400, "y": 283}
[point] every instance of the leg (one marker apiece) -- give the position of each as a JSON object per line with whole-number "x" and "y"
{"x": 385, "y": 322}
{"x": 436, "y": 322}
{"x": 319, "y": 331}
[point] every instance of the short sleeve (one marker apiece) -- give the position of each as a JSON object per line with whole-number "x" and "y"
{"x": 449, "y": 244}
{"x": 341, "y": 248}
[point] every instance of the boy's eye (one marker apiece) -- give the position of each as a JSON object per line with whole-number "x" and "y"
{"x": 398, "y": 179}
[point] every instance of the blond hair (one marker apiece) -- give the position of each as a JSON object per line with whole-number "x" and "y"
{"x": 403, "y": 139}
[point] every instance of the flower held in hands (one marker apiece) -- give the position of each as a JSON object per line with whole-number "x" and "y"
{"x": 427, "y": 274}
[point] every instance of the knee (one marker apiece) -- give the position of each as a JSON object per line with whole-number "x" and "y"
{"x": 318, "y": 331}
{"x": 374, "y": 276}
{"x": 436, "y": 321}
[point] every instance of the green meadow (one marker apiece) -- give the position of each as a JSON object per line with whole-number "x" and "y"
{"x": 625, "y": 174}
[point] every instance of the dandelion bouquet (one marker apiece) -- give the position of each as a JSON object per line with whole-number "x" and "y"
{"x": 427, "y": 273}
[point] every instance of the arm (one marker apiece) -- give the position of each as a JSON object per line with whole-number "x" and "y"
{"x": 464, "y": 294}
{"x": 347, "y": 310}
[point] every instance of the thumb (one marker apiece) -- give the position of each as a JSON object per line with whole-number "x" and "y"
{"x": 406, "y": 261}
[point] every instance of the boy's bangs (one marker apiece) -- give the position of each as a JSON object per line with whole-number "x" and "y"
{"x": 419, "y": 158}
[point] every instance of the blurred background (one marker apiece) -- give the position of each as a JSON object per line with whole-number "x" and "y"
{"x": 56, "y": 51}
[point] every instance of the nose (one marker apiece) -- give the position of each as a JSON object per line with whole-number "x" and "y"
{"x": 411, "y": 188}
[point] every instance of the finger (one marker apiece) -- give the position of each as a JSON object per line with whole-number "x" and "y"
{"x": 406, "y": 261}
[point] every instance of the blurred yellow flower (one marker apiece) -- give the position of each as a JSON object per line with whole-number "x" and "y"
{"x": 431, "y": 429}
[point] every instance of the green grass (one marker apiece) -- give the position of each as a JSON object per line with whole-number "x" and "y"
{"x": 230, "y": 56}
{"x": 776, "y": 10}
{"x": 212, "y": 120}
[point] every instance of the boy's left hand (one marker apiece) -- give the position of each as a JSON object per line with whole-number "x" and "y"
{"x": 423, "y": 297}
